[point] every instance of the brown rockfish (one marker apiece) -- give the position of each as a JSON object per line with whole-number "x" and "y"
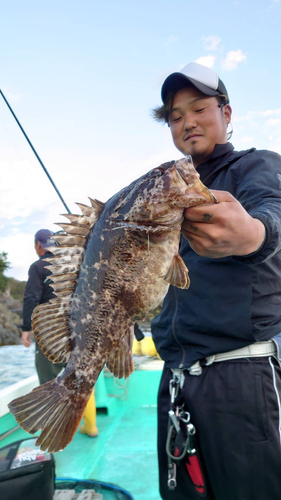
{"x": 113, "y": 264}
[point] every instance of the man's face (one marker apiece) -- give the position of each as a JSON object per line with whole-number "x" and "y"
{"x": 198, "y": 123}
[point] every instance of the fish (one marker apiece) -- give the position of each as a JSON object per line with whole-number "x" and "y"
{"x": 111, "y": 265}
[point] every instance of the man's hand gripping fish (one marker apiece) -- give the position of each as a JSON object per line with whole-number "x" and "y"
{"x": 113, "y": 265}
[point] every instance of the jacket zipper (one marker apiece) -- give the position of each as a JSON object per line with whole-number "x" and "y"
{"x": 174, "y": 329}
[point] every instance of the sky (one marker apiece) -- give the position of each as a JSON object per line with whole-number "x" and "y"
{"x": 82, "y": 78}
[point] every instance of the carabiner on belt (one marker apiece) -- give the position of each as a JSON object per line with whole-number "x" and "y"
{"x": 181, "y": 442}
{"x": 176, "y": 444}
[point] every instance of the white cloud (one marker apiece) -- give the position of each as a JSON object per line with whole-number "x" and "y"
{"x": 10, "y": 95}
{"x": 277, "y": 149}
{"x": 259, "y": 128}
{"x": 21, "y": 254}
{"x": 233, "y": 58}
{"x": 171, "y": 39}
{"x": 271, "y": 112}
{"x": 273, "y": 121}
{"x": 254, "y": 115}
{"x": 245, "y": 118}
{"x": 247, "y": 140}
{"x": 211, "y": 42}
{"x": 15, "y": 198}
{"x": 208, "y": 61}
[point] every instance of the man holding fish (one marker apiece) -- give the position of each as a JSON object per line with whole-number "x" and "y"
{"x": 220, "y": 339}
{"x": 218, "y": 332}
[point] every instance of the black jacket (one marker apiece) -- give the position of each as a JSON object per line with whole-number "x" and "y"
{"x": 232, "y": 301}
{"x": 37, "y": 290}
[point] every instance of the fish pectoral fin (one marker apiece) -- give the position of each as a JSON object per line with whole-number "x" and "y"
{"x": 50, "y": 324}
{"x": 52, "y": 408}
{"x": 120, "y": 361}
{"x": 178, "y": 273}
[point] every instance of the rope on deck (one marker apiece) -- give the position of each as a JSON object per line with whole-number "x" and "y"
{"x": 72, "y": 495}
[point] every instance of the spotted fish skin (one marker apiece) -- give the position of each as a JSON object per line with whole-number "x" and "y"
{"x": 113, "y": 265}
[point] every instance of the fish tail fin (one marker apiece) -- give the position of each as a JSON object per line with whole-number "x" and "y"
{"x": 52, "y": 408}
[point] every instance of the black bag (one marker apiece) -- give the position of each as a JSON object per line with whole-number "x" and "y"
{"x": 26, "y": 472}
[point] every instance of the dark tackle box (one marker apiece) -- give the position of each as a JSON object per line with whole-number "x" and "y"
{"x": 26, "y": 472}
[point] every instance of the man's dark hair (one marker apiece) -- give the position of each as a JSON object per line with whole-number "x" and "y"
{"x": 162, "y": 113}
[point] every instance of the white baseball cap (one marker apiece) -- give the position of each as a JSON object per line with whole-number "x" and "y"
{"x": 204, "y": 79}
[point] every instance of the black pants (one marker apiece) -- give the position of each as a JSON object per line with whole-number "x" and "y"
{"x": 46, "y": 370}
{"x": 235, "y": 407}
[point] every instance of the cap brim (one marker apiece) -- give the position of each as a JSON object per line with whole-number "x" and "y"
{"x": 177, "y": 81}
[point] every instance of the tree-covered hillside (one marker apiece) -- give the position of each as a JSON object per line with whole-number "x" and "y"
{"x": 11, "y": 300}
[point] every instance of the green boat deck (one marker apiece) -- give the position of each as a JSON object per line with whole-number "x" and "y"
{"x": 124, "y": 453}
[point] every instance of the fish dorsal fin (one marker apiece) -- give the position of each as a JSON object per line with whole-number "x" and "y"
{"x": 80, "y": 220}
{"x": 120, "y": 361}
{"x": 97, "y": 205}
{"x": 50, "y": 321}
{"x": 81, "y": 225}
{"x": 74, "y": 229}
{"x": 178, "y": 273}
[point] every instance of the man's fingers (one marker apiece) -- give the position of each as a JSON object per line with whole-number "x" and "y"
{"x": 190, "y": 227}
{"x": 206, "y": 213}
{"x": 26, "y": 343}
{"x": 199, "y": 214}
{"x": 223, "y": 195}
{"x": 25, "y": 338}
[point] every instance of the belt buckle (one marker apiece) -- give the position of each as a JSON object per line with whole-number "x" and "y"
{"x": 195, "y": 369}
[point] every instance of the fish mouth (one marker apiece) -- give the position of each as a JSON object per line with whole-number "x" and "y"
{"x": 203, "y": 190}
{"x": 195, "y": 185}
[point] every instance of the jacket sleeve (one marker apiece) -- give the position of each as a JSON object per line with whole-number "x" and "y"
{"x": 32, "y": 295}
{"x": 259, "y": 191}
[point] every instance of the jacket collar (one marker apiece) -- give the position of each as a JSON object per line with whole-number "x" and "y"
{"x": 220, "y": 150}
{"x": 222, "y": 156}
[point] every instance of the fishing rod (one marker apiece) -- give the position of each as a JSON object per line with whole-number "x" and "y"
{"x": 36, "y": 154}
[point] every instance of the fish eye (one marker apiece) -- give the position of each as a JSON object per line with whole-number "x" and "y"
{"x": 156, "y": 172}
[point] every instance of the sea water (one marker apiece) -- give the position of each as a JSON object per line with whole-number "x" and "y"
{"x": 16, "y": 363}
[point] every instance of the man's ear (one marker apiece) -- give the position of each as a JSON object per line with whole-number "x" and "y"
{"x": 227, "y": 113}
{"x": 39, "y": 249}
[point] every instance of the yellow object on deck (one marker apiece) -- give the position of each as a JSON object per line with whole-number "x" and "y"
{"x": 90, "y": 418}
{"x": 145, "y": 347}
